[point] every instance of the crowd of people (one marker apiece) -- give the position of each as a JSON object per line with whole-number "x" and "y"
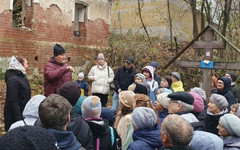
{"x": 148, "y": 111}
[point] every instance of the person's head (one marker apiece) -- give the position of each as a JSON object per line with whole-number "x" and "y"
{"x": 18, "y": 63}
{"x": 176, "y": 131}
{"x": 217, "y": 103}
{"x": 28, "y": 138}
{"x": 142, "y": 100}
{"x": 129, "y": 63}
{"x": 59, "y": 54}
{"x": 162, "y": 101}
{"x": 54, "y": 112}
{"x": 180, "y": 101}
{"x": 80, "y": 76}
{"x": 223, "y": 84}
{"x": 101, "y": 59}
{"x": 200, "y": 92}
{"x": 175, "y": 76}
{"x": 198, "y": 104}
{"x": 154, "y": 64}
{"x": 147, "y": 71}
{"x": 126, "y": 102}
{"x": 229, "y": 126}
{"x": 71, "y": 91}
{"x": 23, "y": 61}
{"x": 91, "y": 107}
{"x": 231, "y": 76}
{"x": 235, "y": 109}
{"x": 144, "y": 118}
{"x": 166, "y": 82}
{"x": 139, "y": 78}
{"x": 140, "y": 89}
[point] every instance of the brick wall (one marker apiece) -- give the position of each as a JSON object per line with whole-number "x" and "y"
{"x": 46, "y": 30}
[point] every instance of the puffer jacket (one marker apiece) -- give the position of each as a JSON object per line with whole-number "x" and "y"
{"x": 177, "y": 86}
{"x": 101, "y": 77}
{"x": 55, "y": 74}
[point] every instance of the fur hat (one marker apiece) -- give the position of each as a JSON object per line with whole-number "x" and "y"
{"x": 163, "y": 99}
{"x": 177, "y": 75}
{"x": 231, "y": 123}
{"x": 91, "y": 107}
{"x": 140, "y": 89}
{"x": 233, "y": 77}
{"x": 100, "y": 56}
{"x": 219, "y": 100}
{"x": 127, "y": 98}
{"x": 200, "y": 92}
{"x": 81, "y": 75}
{"x": 58, "y": 50}
{"x": 130, "y": 60}
{"x": 28, "y": 137}
{"x": 198, "y": 104}
{"x": 206, "y": 141}
{"x": 144, "y": 117}
{"x": 182, "y": 96}
{"x": 71, "y": 91}
{"x": 154, "y": 64}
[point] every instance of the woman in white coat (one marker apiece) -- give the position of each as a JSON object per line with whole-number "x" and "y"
{"x": 101, "y": 75}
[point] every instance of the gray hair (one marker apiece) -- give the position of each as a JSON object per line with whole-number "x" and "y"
{"x": 186, "y": 107}
{"x": 178, "y": 130}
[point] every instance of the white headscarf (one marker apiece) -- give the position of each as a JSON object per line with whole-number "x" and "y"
{"x": 16, "y": 65}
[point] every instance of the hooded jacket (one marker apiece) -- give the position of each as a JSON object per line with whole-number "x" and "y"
{"x": 101, "y": 76}
{"x": 226, "y": 92}
{"x": 30, "y": 112}
{"x": 65, "y": 139}
{"x": 83, "y": 86}
{"x": 146, "y": 139}
{"x": 177, "y": 86}
{"x": 231, "y": 143}
{"x": 55, "y": 74}
{"x": 17, "y": 95}
{"x": 152, "y": 83}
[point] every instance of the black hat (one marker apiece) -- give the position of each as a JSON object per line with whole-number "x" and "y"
{"x": 71, "y": 91}
{"x": 233, "y": 76}
{"x": 129, "y": 60}
{"x": 182, "y": 96}
{"x": 140, "y": 89}
{"x": 58, "y": 50}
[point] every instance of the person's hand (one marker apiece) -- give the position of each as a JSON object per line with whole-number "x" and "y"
{"x": 70, "y": 68}
{"x": 119, "y": 90}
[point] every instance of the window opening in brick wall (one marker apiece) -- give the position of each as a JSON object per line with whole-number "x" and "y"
{"x": 36, "y": 58}
{"x": 69, "y": 59}
{"x": 18, "y": 13}
{"x": 80, "y": 17}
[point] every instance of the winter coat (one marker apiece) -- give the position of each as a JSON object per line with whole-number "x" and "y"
{"x": 30, "y": 112}
{"x": 177, "y": 86}
{"x": 83, "y": 86}
{"x": 152, "y": 83}
{"x": 101, "y": 76}
{"x": 17, "y": 95}
{"x": 78, "y": 106}
{"x": 55, "y": 74}
{"x": 146, "y": 139}
{"x": 101, "y": 130}
{"x": 162, "y": 115}
{"x": 231, "y": 143}
{"x": 226, "y": 92}
{"x": 158, "y": 79}
{"x": 123, "y": 78}
{"x": 129, "y": 138}
{"x": 123, "y": 126}
{"x": 65, "y": 139}
{"x": 179, "y": 148}
{"x": 236, "y": 91}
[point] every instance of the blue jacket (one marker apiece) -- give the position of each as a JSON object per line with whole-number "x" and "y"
{"x": 83, "y": 85}
{"x": 146, "y": 139}
{"x": 65, "y": 139}
{"x": 231, "y": 143}
{"x": 162, "y": 115}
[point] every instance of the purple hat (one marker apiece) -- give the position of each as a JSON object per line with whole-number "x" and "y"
{"x": 198, "y": 104}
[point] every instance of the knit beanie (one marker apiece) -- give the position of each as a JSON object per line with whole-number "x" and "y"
{"x": 233, "y": 77}
{"x": 58, "y": 50}
{"x": 140, "y": 75}
{"x": 28, "y": 137}
{"x": 200, "y": 92}
{"x": 177, "y": 75}
{"x": 127, "y": 98}
{"x": 198, "y": 104}
{"x": 182, "y": 96}
{"x": 144, "y": 117}
{"x": 231, "y": 123}
{"x": 140, "y": 89}
{"x": 219, "y": 100}
{"x": 71, "y": 91}
{"x": 81, "y": 75}
{"x": 91, "y": 107}
{"x": 206, "y": 141}
{"x": 100, "y": 56}
{"x": 163, "y": 99}
{"x": 154, "y": 64}
{"x": 108, "y": 114}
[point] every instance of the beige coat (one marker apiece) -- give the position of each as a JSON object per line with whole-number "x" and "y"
{"x": 123, "y": 126}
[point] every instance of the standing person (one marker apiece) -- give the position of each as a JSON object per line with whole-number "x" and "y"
{"x": 177, "y": 84}
{"x": 57, "y": 71}
{"x": 81, "y": 82}
{"x": 234, "y": 87}
{"x": 18, "y": 91}
{"x": 157, "y": 77}
{"x": 123, "y": 78}
{"x": 101, "y": 75}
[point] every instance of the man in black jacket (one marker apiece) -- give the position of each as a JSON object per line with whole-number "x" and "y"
{"x": 123, "y": 78}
